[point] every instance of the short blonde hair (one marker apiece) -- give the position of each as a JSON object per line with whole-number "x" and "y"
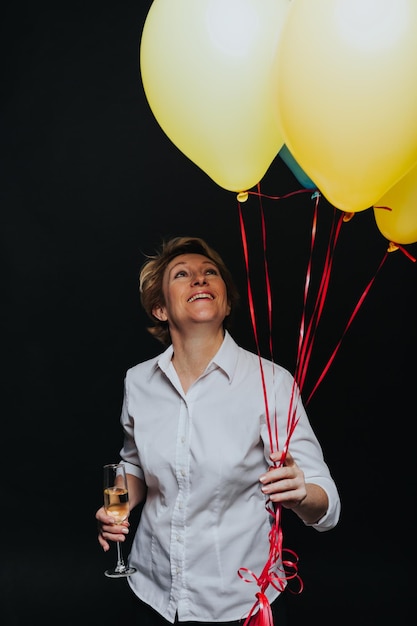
{"x": 152, "y": 273}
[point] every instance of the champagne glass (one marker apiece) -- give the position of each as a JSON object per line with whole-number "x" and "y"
{"x": 116, "y": 504}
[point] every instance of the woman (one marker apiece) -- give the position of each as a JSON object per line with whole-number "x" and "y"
{"x": 197, "y": 450}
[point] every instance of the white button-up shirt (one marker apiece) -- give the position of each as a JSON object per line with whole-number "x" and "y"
{"x": 201, "y": 454}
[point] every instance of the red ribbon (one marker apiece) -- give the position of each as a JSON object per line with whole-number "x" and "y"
{"x": 273, "y": 574}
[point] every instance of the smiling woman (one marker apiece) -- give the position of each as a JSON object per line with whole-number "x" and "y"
{"x": 200, "y": 458}
{"x": 152, "y": 277}
{"x": 193, "y": 290}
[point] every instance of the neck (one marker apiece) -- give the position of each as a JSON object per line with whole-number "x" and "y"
{"x": 193, "y": 353}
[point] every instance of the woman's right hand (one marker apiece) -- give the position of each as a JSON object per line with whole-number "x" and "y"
{"x": 107, "y": 531}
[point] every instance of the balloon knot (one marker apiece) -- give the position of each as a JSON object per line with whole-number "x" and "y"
{"x": 392, "y": 247}
{"x": 242, "y": 196}
{"x": 347, "y": 216}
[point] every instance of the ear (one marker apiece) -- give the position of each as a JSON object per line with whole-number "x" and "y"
{"x": 159, "y": 312}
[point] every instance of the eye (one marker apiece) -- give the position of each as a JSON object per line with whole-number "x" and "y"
{"x": 212, "y": 271}
{"x": 180, "y": 274}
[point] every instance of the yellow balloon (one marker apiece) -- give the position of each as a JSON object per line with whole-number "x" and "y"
{"x": 399, "y": 224}
{"x": 346, "y": 93}
{"x": 206, "y": 71}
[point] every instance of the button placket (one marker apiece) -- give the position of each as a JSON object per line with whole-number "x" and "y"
{"x": 179, "y": 516}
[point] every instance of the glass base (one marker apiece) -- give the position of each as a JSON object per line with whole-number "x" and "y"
{"x": 120, "y": 572}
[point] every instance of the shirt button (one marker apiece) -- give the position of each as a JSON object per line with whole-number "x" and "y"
{"x": 183, "y": 472}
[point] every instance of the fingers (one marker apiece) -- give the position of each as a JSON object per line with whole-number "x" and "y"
{"x": 286, "y": 491}
{"x": 102, "y": 517}
{"x": 289, "y": 470}
{"x": 279, "y": 484}
{"x": 284, "y": 483}
{"x": 112, "y": 533}
{"x": 287, "y": 457}
{"x": 107, "y": 531}
{"x": 104, "y": 544}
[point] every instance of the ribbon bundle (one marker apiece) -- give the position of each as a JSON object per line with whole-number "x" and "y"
{"x": 282, "y": 564}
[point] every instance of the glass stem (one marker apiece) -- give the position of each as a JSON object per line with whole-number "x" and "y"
{"x": 120, "y": 567}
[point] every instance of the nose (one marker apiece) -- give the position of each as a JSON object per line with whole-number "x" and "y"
{"x": 199, "y": 279}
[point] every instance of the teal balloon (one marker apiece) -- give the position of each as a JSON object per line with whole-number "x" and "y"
{"x": 298, "y": 172}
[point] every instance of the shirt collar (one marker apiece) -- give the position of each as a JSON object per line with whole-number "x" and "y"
{"x": 164, "y": 359}
{"x": 226, "y": 358}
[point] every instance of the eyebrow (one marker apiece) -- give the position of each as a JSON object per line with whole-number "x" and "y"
{"x": 184, "y": 263}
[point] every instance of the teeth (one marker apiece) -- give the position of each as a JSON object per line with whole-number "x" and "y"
{"x": 200, "y": 296}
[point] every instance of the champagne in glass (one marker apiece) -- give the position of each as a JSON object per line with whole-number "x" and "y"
{"x": 116, "y": 504}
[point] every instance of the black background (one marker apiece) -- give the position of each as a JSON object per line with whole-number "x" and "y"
{"x": 90, "y": 184}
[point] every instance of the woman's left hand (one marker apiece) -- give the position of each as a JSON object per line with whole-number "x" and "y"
{"x": 284, "y": 484}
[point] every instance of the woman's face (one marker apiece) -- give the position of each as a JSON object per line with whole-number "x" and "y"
{"x": 194, "y": 293}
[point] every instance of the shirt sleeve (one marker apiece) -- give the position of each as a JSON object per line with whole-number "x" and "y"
{"x": 305, "y": 448}
{"x": 129, "y": 452}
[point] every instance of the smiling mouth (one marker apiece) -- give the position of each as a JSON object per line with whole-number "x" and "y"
{"x": 200, "y": 296}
